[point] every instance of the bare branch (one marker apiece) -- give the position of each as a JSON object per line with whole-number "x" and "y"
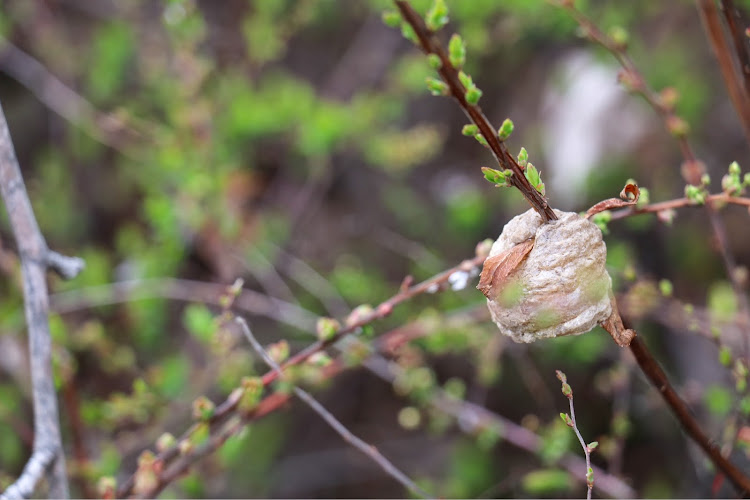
{"x": 32, "y": 473}
{"x": 34, "y": 260}
{"x": 335, "y": 424}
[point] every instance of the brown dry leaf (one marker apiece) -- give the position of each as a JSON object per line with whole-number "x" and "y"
{"x": 629, "y": 196}
{"x": 497, "y": 268}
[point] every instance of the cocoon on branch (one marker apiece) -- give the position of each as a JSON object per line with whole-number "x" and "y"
{"x": 547, "y": 280}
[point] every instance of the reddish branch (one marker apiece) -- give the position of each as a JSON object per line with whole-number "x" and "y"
{"x": 655, "y": 208}
{"x": 226, "y": 409}
{"x": 737, "y": 82}
{"x": 430, "y": 45}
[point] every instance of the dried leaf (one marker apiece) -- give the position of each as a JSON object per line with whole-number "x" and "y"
{"x": 628, "y": 197}
{"x": 614, "y": 325}
{"x": 497, "y": 268}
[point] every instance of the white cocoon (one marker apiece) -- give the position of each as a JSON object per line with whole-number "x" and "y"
{"x": 562, "y": 287}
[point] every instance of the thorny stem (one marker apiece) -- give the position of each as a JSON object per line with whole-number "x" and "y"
{"x": 355, "y": 441}
{"x": 430, "y": 45}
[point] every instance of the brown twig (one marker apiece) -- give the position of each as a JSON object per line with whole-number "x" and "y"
{"x": 449, "y": 74}
{"x": 655, "y": 208}
{"x": 35, "y": 259}
{"x": 659, "y": 380}
{"x": 736, "y": 84}
{"x": 736, "y": 24}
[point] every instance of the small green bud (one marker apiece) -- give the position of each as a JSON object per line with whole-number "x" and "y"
{"x": 360, "y": 314}
{"x": 391, "y": 18}
{"x": 279, "y": 351}
{"x": 644, "y": 199}
{"x": 746, "y": 179}
{"x": 434, "y": 61}
{"x": 251, "y": 391}
{"x": 472, "y": 95}
{"x": 592, "y": 445}
{"x": 326, "y": 328}
{"x": 696, "y": 194}
{"x": 734, "y": 168}
{"x": 320, "y": 359}
{"x": 725, "y": 355}
{"x": 408, "y": 32}
{"x": 465, "y": 79}
{"x": 666, "y": 288}
{"x": 677, "y": 126}
{"x": 619, "y": 36}
{"x": 566, "y": 418}
{"x": 668, "y": 97}
{"x": 437, "y": 16}
{"x": 457, "y": 51}
{"x": 601, "y": 220}
{"x": 165, "y": 441}
{"x": 470, "y": 130}
{"x": 590, "y": 476}
{"x": 705, "y": 179}
{"x": 203, "y": 408}
{"x": 523, "y": 158}
{"x": 505, "y": 129}
{"x": 535, "y": 179}
{"x": 492, "y": 175}
{"x": 481, "y": 140}
{"x": 436, "y": 87}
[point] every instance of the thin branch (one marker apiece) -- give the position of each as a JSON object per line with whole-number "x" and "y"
{"x": 655, "y": 208}
{"x": 184, "y": 290}
{"x": 35, "y": 468}
{"x": 735, "y": 83}
{"x": 335, "y": 424}
{"x": 35, "y": 258}
{"x": 733, "y": 17}
{"x": 53, "y": 93}
{"x": 570, "y": 420}
{"x": 226, "y": 409}
{"x": 474, "y": 418}
{"x": 431, "y": 45}
{"x": 659, "y": 380}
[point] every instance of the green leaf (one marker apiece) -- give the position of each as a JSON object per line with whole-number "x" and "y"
{"x": 718, "y": 400}
{"x": 472, "y": 95}
{"x": 200, "y": 322}
{"x": 535, "y": 179}
{"x": 722, "y": 303}
{"x": 434, "y": 61}
{"x": 546, "y": 482}
{"x": 391, "y": 18}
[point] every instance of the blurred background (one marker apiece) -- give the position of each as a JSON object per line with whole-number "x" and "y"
{"x": 293, "y": 144}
